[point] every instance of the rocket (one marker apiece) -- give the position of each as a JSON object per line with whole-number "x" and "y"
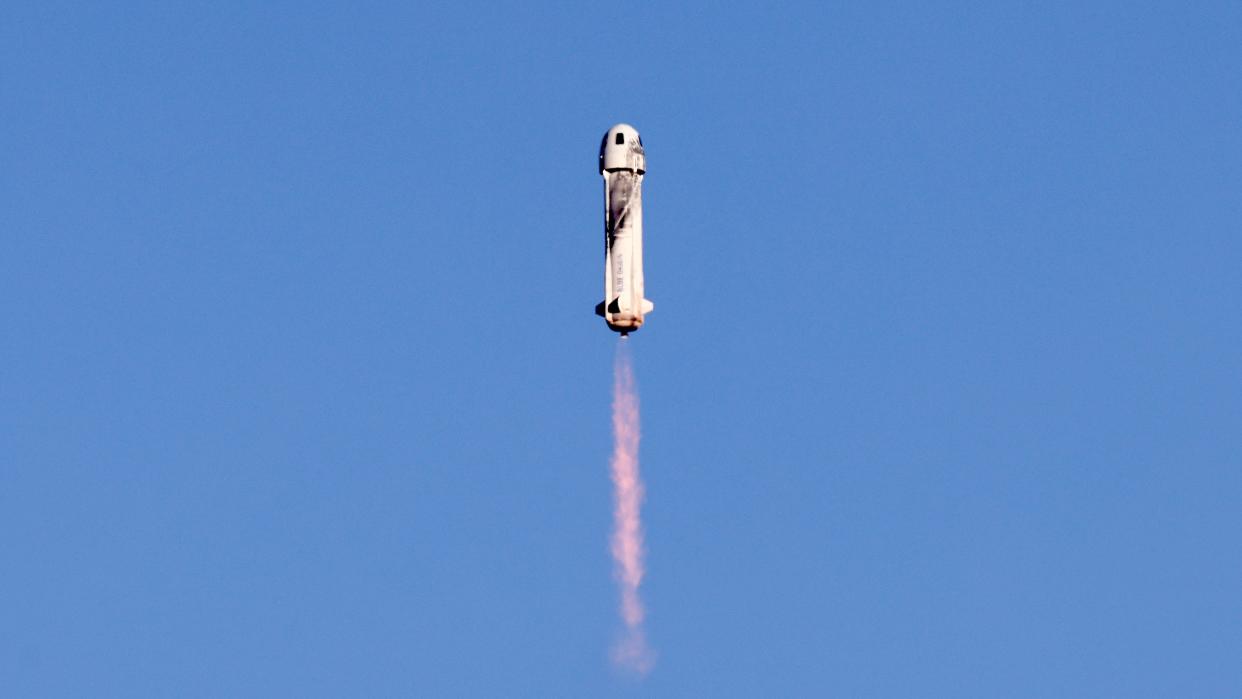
{"x": 622, "y": 163}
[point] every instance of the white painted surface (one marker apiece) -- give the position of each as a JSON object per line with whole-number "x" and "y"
{"x": 622, "y": 164}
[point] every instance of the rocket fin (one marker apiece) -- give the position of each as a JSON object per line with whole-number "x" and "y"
{"x": 648, "y": 306}
{"x": 599, "y": 309}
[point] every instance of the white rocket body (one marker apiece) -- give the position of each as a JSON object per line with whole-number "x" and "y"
{"x": 622, "y": 163}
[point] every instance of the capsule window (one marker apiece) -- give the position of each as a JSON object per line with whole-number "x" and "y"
{"x": 620, "y": 139}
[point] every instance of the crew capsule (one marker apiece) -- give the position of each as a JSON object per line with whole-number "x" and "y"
{"x": 622, "y": 149}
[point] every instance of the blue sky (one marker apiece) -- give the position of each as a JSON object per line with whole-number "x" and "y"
{"x": 304, "y": 396}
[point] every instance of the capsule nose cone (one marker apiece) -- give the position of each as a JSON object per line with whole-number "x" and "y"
{"x": 621, "y": 135}
{"x": 622, "y": 149}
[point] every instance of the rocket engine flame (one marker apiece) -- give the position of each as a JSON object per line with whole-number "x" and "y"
{"x": 631, "y": 651}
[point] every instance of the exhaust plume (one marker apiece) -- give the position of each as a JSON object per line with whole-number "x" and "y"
{"x": 631, "y": 651}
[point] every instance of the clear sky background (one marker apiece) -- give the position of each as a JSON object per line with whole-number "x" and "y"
{"x": 302, "y": 392}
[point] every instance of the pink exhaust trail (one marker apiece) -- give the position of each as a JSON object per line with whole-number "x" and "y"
{"x": 631, "y": 651}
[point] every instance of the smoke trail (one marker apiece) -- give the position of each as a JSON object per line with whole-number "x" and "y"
{"x": 631, "y": 651}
